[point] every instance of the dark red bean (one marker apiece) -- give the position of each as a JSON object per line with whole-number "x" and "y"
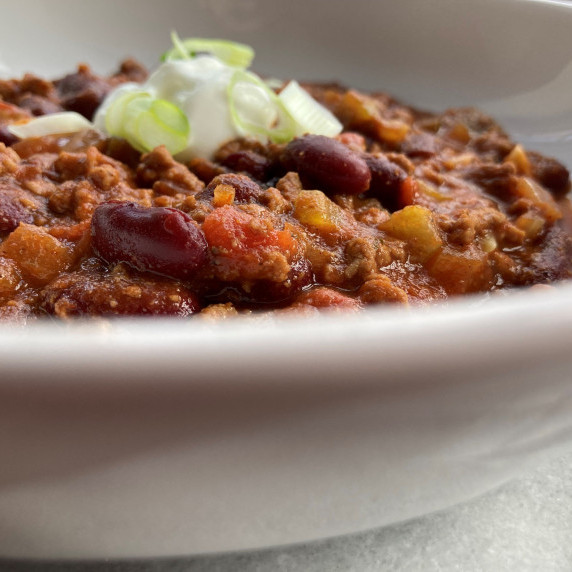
{"x": 86, "y": 102}
{"x": 494, "y": 179}
{"x": 6, "y": 137}
{"x": 245, "y": 189}
{"x": 132, "y": 70}
{"x": 548, "y": 265}
{"x": 12, "y": 212}
{"x": 326, "y": 164}
{"x": 38, "y": 105}
{"x": 160, "y": 239}
{"x": 82, "y": 92}
{"x": 119, "y": 149}
{"x": 74, "y": 83}
{"x": 386, "y": 179}
{"x": 249, "y": 162}
{"x": 205, "y": 170}
{"x": 550, "y": 173}
{"x": 421, "y": 144}
{"x": 267, "y": 292}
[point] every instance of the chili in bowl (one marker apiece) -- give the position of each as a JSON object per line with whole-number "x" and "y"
{"x": 334, "y": 311}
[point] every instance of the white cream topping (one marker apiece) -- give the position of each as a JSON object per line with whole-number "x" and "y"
{"x": 199, "y": 87}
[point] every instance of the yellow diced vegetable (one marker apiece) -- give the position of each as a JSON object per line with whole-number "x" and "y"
{"x": 519, "y": 159}
{"x": 366, "y": 110}
{"x": 531, "y": 223}
{"x": 416, "y": 226}
{"x": 540, "y": 197}
{"x": 488, "y": 243}
{"x": 315, "y": 209}
{"x": 425, "y": 188}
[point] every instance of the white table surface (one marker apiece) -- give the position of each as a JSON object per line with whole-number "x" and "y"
{"x": 526, "y": 525}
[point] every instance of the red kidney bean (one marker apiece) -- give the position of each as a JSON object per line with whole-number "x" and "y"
{"x": 12, "y": 212}
{"x": 6, "y": 137}
{"x": 38, "y": 105}
{"x": 82, "y": 92}
{"x": 267, "y": 292}
{"x": 326, "y": 164}
{"x": 160, "y": 239}
{"x": 249, "y": 162}
{"x": 205, "y": 170}
{"x": 550, "y": 173}
{"x": 423, "y": 145}
{"x": 86, "y": 102}
{"x": 386, "y": 179}
{"x": 245, "y": 189}
{"x": 498, "y": 180}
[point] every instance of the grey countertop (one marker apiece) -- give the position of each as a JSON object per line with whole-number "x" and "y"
{"x": 526, "y": 525}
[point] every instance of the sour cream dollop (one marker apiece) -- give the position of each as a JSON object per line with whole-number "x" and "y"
{"x": 199, "y": 87}
{"x": 201, "y": 96}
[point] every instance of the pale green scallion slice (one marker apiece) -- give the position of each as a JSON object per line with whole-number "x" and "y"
{"x": 179, "y": 52}
{"x": 146, "y": 122}
{"x": 163, "y": 124}
{"x": 309, "y": 115}
{"x": 64, "y": 122}
{"x": 231, "y": 53}
{"x": 115, "y": 117}
{"x": 270, "y": 119}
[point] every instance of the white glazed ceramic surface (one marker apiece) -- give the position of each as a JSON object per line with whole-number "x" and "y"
{"x": 161, "y": 438}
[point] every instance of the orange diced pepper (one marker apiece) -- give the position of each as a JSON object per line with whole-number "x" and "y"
{"x": 39, "y": 255}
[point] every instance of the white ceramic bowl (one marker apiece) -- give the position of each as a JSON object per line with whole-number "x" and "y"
{"x": 161, "y": 438}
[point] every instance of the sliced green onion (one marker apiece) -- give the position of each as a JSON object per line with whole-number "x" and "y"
{"x": 115, "y": 117}
{"x": 164, "y": 124}
{"x": 179, "y": 50}
{"x": 274, "y": 82}
{"x": 272, "y": 120}
{"x": 65, "y": 122}
{"x": 309, "y": 115}
{"x": 231, "y": 53}
{"x": 146, "y": 122}
{"x": 134, "y": 108}
{"x": 170, "y": 116}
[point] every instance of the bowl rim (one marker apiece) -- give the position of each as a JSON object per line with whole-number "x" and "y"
{"x": 379, "y": 344}
{"x": 439, "y": 335}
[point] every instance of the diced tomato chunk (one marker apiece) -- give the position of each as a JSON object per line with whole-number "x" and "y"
{"x": 232, "y": 232}
{"x": 407, "y": 192}
{"x": 247, "y": 247}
